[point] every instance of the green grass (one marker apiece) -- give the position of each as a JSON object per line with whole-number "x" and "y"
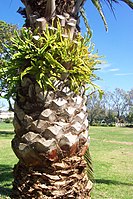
{"x": 112, "y": 133}
{"x": 7, "y": 159}
{"x": 6, "y": 131}
{"x": 112, "y": 161}
{"x": 6, "y": 126}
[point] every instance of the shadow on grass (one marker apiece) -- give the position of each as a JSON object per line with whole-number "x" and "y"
{"x": 6, "y": 178}
{"x": 108, "y": 182}
{"x": 6, "y": 134}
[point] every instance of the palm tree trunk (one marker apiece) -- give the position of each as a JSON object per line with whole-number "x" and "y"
{"x": 51, "y": 128}
{"x": 51, "y": 137}
{"x": 51, "y": 132}
{"x": 64, "y": 179}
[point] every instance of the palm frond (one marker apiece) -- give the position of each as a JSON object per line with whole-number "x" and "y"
{"x": 128, "y": 2}
{"x": 89, "y": 168}
{"x": 83, "y": 14}
{"x": 98, "y": 6}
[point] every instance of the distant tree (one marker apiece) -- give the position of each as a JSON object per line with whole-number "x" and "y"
{"x": 96, "y": 108}
{"x": 120, "y": 101}
{"x": 129, "y": 117}
{"x": 130, "y": 99}
{"x": 115, "y": 106}
{"x": 110, "y": 115}
{"x": 6, "y": 32}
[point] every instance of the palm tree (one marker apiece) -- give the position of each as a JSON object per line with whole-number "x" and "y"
{"x": 51, "y": 128}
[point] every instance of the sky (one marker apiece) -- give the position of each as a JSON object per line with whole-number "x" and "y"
{"x": 116, "y": 45}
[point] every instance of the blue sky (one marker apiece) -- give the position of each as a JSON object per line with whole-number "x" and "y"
{"x": 116, "y": 45}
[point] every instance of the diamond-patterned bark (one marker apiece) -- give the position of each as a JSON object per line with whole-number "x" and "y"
{"x": 61, "y": 119}
{"x": 50, "y": 128}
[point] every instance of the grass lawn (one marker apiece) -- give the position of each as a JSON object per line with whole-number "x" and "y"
{"x": 112, "y": 153}
{"x": 7, "y": 159}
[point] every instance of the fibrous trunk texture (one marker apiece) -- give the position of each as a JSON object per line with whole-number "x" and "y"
{"x": 51, "y": 127}
{"x": 64, "y": 179}
{"x": 51, "y": 137}
{"x": 37, "y": 11}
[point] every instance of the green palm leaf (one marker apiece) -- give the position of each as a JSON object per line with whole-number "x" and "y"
{"x": 128, "y": 2}
{"x": 89, "y": 168}
{"x": 98, "y": 5}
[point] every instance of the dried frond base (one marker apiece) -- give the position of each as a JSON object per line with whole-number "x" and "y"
{"x": 62, "y": 180}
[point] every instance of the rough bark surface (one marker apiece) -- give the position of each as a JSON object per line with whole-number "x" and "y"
{"x": 50, "y": 140}
{"x": 62, "y": 180}
{"x": 51, "y": 127}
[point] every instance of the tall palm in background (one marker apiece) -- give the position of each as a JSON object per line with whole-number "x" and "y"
{"x": 51, "y": 127}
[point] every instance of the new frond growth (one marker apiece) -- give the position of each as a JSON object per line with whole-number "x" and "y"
{"x": 49, "y": 58}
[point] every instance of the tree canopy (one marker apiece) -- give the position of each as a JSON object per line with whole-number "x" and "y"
{"x": 6, "y": 32}
{"x": 115, "y": 106}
